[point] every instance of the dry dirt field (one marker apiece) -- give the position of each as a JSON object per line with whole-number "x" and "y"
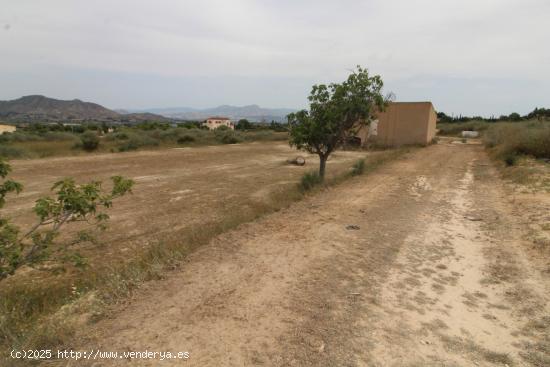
{"x": 424, "y": 262}
{"x": 176, "y": 189}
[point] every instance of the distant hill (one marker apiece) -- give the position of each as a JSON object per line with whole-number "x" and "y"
{"x": 37, "y": 108}
{"x": 251, "y": 112}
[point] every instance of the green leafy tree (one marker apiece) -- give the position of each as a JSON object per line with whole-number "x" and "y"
{"x": 9, "y": 252}
{"x": 336, "y": 111}
{"x": 443, "y": 117}
{"x": 243, "y": 124}
{"x": 514, "y": 116}
{"x": 70, "y": 203}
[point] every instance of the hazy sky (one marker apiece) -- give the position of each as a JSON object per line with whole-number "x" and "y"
{"x": 466, "y": 56}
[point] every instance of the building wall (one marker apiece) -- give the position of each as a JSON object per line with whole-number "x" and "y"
{"x": 403, "y": 123}
{"x": 7, "y": 129}
{"x": 432, "y": 130}
{"x": 212, "y": 124}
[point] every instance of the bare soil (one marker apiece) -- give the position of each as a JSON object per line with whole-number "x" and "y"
{"x": 176, "y": 189}
{"x": 421, "y": 263}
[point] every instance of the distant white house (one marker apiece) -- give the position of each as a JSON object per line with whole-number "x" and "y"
{"x": 215, "y": 122}
{"x": 7, "y": 128}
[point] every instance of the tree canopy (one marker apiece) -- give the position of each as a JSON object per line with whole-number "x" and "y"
{"x": 336, "y": 111}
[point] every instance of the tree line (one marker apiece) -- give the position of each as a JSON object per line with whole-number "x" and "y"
{"x": 537, "y": 114}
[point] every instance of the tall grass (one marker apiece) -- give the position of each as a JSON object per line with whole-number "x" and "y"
{"x": 9, "y": 151}
{"x": 309, "y": 180}
{"x": 509, "y": 140}
{"x": 358, "y": 168}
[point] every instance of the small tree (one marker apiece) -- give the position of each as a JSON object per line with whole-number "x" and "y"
{"x": 71, "y": 203}
{"x": 335, "y": 112}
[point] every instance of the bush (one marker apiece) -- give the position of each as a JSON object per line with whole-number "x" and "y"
{"x": 507, "y": 140}
{"x": 227, "y": 136}
{"x": 185, "y": 139}
{"x": 230, "y": 139}
{"x": 510, "y": 159}
{"x": 90, "y": 141}
{"x": 136, "y": 141}
{"x": 309, "y": 181}
{"x": 358, "y": 168}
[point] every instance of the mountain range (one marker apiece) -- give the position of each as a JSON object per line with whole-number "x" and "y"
{"x": 250, "y": 112}
{"x": 37, "y": 108}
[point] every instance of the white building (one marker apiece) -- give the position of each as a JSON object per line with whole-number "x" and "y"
{"x": 214, "y": 122}
{"x": 7, "y": 128}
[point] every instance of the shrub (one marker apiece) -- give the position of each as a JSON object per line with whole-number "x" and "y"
{"x": 309, "y": 181}
{"x": 90, "y": 141}
{"x": 227, "y": 136}
{"x": 185, "y": 139}
{"x": 510, "y": 159}
{"x": 230, "y": 139}
{"x": 507, "y": 140}
{"x": 358, "y": 168}
{"x": 136, "y": 141}
{"x": 170, "y": 134}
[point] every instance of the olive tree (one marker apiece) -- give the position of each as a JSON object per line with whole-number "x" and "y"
{"x": 70, "y": 203}
{"x": 336, "y": 111}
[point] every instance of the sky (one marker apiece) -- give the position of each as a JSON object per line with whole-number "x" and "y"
{"x": 469, "y": 57}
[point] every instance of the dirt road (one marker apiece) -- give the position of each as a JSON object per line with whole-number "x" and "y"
{"x": 418, "y": 264}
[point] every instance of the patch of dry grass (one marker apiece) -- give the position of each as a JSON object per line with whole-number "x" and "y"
{"x": 462, "y": 346}
{"x": 537, "y": 353}
{"x": 31, "y": 145}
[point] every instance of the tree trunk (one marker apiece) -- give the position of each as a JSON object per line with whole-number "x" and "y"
{"x": 322, "y": 165}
